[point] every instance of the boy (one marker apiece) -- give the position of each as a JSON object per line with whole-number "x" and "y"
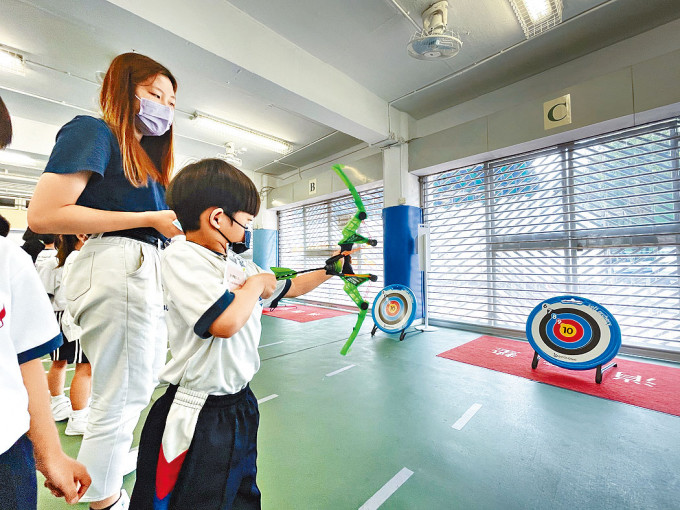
{"x": 28, "y": 330}
{"x": 198, "y": 446}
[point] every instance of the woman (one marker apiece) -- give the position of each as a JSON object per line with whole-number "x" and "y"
{"x": 108, "y": 176}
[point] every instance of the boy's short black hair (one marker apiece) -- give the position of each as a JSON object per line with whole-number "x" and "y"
{"x": 210, "y": 183}
{"x": 4, "y": 226}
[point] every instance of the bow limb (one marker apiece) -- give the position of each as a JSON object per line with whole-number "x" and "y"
{"x": 355, "y": 332}
{"x": 350, "y": 287}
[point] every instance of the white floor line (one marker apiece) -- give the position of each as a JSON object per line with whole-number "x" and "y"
{"x": 338, "y": 371}
{"x": 267, "y": 345}
{"x": 264, "y": 399}
{"x": 387, "y": 490}
{"x": 466, "y": 417}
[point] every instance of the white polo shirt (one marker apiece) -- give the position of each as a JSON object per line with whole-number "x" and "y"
{"x": 197, "y": 282}
{"x": 28, "y": 330}
{"x": 70, "y": 330}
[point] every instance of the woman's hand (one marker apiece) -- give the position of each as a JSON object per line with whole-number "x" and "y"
{"x": 162, "y": 221}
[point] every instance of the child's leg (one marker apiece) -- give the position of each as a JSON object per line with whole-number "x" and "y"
{"x": 80, "y": 386}
{"x": 56, "y": 377}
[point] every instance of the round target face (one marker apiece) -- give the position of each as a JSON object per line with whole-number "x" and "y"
{"x": 394, "y": 308}
{"x": 573, "y": 332}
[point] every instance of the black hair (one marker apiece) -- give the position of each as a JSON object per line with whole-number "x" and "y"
{"x": 4, "y": 226}
{"x": 29, "y": 235}
{"x": 5, "y": 126}
{"x": 210, "y": 183}
{"x": 33, "y": 247}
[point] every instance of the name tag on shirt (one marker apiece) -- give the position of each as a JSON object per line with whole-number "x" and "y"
{"x": 236, "y": 274}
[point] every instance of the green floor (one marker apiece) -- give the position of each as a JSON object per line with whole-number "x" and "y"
{"x": 333, "y": 442}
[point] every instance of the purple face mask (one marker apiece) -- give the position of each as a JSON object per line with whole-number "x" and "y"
{"x": 153, "y": 119}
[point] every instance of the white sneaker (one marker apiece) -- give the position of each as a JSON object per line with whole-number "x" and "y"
{"x": 77, "y": 422}
{"x": 131, "y": 461}
{"x": 61, "y": 407}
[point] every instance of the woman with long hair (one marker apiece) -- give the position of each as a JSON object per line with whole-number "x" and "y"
{"x": 108, "y": 176}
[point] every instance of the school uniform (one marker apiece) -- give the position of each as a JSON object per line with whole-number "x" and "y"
{"x": 28, "y": 331}
{"x": 114, "y": 295}
{"x": 199, "y": 443}
{"x": 52, "y": 278}
{"x": 71, "y": 351}
{"x": 46, "y": 266}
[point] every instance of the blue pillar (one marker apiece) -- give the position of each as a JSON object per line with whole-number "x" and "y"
{"x": 265, "y": 247}
{"x": 400, "y": 225}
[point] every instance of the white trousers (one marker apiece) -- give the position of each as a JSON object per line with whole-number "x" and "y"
{"x": 114, "y": 294}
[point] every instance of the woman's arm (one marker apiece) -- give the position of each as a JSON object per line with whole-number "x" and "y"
{"x": 52, "y": 210}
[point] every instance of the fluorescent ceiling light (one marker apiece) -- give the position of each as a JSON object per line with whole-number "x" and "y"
{"x": 18, "y": 159}
{"x": 231, "y": 131}
{"x": 537, "y": 9}
{"x": 537, "y": 16}
{"x": 12, "y": 62}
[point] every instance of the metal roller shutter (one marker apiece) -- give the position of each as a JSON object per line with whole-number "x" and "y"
{"x": 308, "y": 233}
{"x": 599, "y": 218}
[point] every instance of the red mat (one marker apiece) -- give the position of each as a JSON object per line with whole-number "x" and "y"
{"x": 645, "y": 385}
{"x": 303, "y": 313}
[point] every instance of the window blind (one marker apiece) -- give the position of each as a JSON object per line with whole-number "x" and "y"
{"x": 309, "y": 233}
{"x": 598, "y": 218}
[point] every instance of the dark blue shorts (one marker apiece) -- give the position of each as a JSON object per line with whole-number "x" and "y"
{"x": 219, "y": 471}
{"x": 18, "y": 485}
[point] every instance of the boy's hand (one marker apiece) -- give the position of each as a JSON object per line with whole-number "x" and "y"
{"x": 268, "y": 282}
{"x": 65, "y": 477}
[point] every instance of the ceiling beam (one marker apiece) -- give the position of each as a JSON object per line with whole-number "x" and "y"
{"x": 283, "y": 73}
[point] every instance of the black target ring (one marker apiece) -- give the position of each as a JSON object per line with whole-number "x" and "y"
{"x": 592, "y": 343}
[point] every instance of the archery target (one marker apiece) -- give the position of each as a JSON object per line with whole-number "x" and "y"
{"x": 394, "y": 308}
{"x": 573, "y": 332}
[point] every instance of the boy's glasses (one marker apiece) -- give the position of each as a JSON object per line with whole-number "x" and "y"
{"x": 247, "y": 226}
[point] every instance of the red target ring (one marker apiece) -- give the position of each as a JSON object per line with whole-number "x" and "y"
{"x": 568, "y": 330}
{"x": 393, "y": 308}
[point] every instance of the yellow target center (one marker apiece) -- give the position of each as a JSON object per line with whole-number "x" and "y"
{"x": 567, "y": 330}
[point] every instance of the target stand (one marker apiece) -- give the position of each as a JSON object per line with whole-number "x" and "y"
{"x": 394, "y": 310}
{"x": 574, "y": 333}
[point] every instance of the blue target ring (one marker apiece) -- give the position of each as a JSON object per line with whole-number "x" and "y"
{"x": 585, "y": 338}
{"x": 394, "y": 308}
{"x": 590, "y": 335}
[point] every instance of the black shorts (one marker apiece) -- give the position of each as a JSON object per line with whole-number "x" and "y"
{"x": 70, "y": 351}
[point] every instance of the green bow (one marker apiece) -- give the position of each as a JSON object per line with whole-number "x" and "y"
{"x": 340, "y": 265}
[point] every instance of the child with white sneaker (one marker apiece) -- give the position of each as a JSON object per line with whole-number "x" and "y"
{"x": 28, "y": 437}
{"x": 75, "y": 407}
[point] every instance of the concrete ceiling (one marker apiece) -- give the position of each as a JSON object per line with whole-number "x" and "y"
{"x": 318, "y": 74}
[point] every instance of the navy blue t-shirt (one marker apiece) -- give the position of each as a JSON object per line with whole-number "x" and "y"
{"x": 87, "y": 143}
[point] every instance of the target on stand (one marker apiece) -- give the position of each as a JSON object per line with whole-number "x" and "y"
{"x": 394, "y": 309}
{"x": 573, "y": 332}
